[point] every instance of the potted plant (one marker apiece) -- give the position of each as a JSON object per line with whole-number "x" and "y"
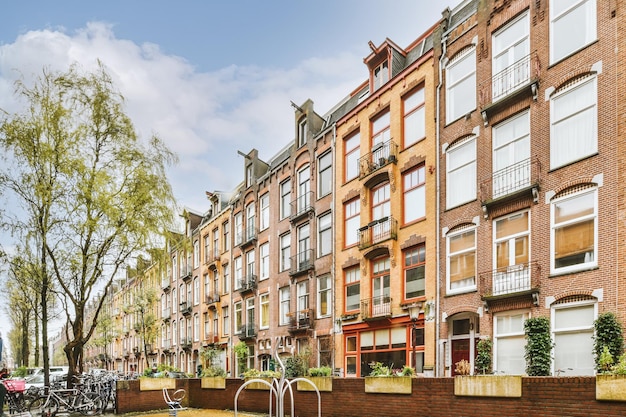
{"x": 155, "y": 381}
{"x": 321, "y": 377}
{"x": 611, "y": 384}
{"x": 608, "y": 345}
{"x": 212, "y": 376}
{"x": 384, "y": 379}
{"x": 255, "y": 374}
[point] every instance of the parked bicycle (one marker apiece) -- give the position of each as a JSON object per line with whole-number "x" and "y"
{"x": 15, "y": 395}
{"x": 66, "y": 400}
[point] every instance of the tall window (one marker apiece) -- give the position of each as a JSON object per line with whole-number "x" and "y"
{"x": 352, "y": 283}
{"x": 304, "y": 246}
{"x": 250, "y": 264}
{"x": 511, "y": 240}
{"x": 380, "y": 285}
{"x": 216, "y": 243}
{"x": 461, "y": 84}
{"x": 264, "y": 221}
{"x": 574, "y": 122}
{"x": 414, "y": 183}
{"x": 509, "y": 341}
{"x": 381, "y": 75}
{"x": 264, "y": 253}
{"x": 574, "y": 231}
{"x": 511, "y": 49}
{"x": 250, "y": 221}
{"x": 302, "y": 290}
{"x": 207, "y": 252}
{"x": 196, "y": 327}
{"x": 325, "y": 174}
{"x": 284, "y": 294}
{"x": 381, "y": 210}
{"x": 196, "y": 253}
{"x": 250, "y": 312}
{"x": 285, "y": 252}
{"x": 238, "y": 229}
{"x": 264, "y": 318}
{"x": 461, "y": 172}
{"x": 414, "y": 275}
{"x": 285, "y": 199}
{"x": 304, "y": 188}
{"x": 207, "y": 326}
{"x": 226, "y": 269}
{"x": 216, "y": 282}
{"x": 238, "y": 316}
{"x": 324, "y": 239}
{"x": 352, "y": 222}
{"x": 381, "y": 130}
{"x": 572, "y": 26}
{"x": 324, "y": 296}
{"x": 572, "y": 325}
{"x": 462, "y": 260}
{"x": 225, "y": 321}
{"x": 238, "y": 267}
{"x": 414, "y": 117}
{"x": 351, "y": 156}
{"x": 196, "y": 291}
{"x": 226, "y": 240}
{"x": 302, "y": 132}
{"x": 511, "y": 155}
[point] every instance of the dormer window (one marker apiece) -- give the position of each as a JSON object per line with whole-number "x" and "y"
{"x": 381, "y": 75}
{"x": 302, "y": 128}
{"x": 249, "y": 176}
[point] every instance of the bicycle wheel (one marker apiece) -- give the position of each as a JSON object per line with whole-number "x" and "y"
{"x": 91, "y": 404}
{"x": 43, "y": 407}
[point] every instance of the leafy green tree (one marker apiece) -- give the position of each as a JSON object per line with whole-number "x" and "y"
{"x": 609, "y": 335}
{"x": 147, "y": 323}
{"x": 102, "y": 194}
{"x": 538, "y": 350}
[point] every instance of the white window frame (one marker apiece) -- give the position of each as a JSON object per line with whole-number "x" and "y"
{"x": 264, "y": 311}
{"x": 285, "y": 199}
{"x": 324, "y": 235}
{"x": 414, "y": 194}
{"x": 449, "y": 256}
{"x": 463, "y": 172}
{"x": 264, "y": 221}
{"x": 587, "y": 27}
{"x": 414, "y": 106}
{"x": 324, "y": 174}
{"x": 465, "y": 80}
{"x": 285, "y": 251}
{"x": 285, "y": 303}
{"x": 324, "y": 293}
{"x": 500, "y": 337}
{"x": 569, "y": 368}
{"x": 264, "y": 254}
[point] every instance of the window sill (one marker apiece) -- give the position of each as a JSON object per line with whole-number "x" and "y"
{"x": 571, "y": 272}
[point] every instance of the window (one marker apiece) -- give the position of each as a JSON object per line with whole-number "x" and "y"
{"x": 461, "y": 85}
{"x": 250, "y": 312}
{"x": 509, "y": 341}
{"x": 574, "y": 122}
{"x": 284, "y": 293}
{"x": 285, "y": 199}
{"x": 381, "y": 75}
{"x": 226, "y": 270}
{"x": 238, "y": 229}
{"x": 302, "y": 291}
{"x": 216, "y": 243}
{"x": 264, "y": 221}
{"x": 414, "y": 266}
{"x": 250, "y": 264}
{"x": 226, "y": 229}
{"x": 249, "y": 176}
{"x": 325, "y": 174}
{"x": 264, "y": 252}
{"x": 414, "y": 204}
{"x": 352, "y": 280}
{"x": 207, "y": 326}
{"x": 325, "y": 238}
{"x": 380, "y": 287}
{"x": 381, "y": 131}
{"x": 264, "y": 319}
{"x": 238, "y": 272}
{"x": 304, "y": 190}
{"x": 511, "y": 242}
{"x": 238, "y": 315}
{"x": 196, "y": 291}
{"x": 216, "y": 282}
{"x": 304, "y": 246}
{"x": 511, "y": 49}
{"x": 196, "y": 253}
{"x": 302, "y": 132}
{"x": 352, "y": 222}
{"x": 511, "y": 155}
{"x": 196, "y": 327}
{"x": 285, "y": 252}
{"x": 225, "y": 321}
{"x": 381, "y": 210}
{"x": 324, "y": 296}
{"x": 462, "y": 260}
{"x": 414, "y": 117}
{"x": 207, "y": 252}
{"x": 250, "y": 222}
{"x": 572, "y": 26}
{"x": 573, "y": 329}
{"x": 574, "y": 231}
{"x": 351, "y": 156}
{"x": 461, "y": 172}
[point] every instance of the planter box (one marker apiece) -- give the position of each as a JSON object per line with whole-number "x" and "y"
{"x": 213, "y": 382}
{"x": 388, "y": 384}
{"x": 323, "y": 384}
{"x": 488, "y": 386}
{"x": 259, "y": 385}
{"x": 156, "y": 384}
{"x": 610, "y": 387}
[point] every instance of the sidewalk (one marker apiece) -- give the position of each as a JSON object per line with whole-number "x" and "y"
{"x": 192, "y": 412}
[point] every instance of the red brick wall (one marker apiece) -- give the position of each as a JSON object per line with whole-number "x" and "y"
{"x": 433, "y": 397}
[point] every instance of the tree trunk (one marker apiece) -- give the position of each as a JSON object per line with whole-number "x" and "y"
{"x": 44, "y": 316}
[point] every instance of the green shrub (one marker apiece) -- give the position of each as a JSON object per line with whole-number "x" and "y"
{"x": 378, "y": 369}
{"x": 620, "y": 367}
{"x": 608, "y": 335}
{"x": 538, "y": 346}
{"x": 407, "y": 371}
{"x": 321, "y": 371}
{"x": 483, "y": 356}
{"x": 212, "y": 371}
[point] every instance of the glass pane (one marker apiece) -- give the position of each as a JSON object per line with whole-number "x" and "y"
{"x": 573, "y": 350}
{"x": 576, "y": 317}
{"x": 574, "y": 208}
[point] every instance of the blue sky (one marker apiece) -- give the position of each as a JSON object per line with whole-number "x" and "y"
{"x": 210, "y": 77}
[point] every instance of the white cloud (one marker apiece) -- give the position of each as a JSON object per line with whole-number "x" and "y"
{"x": 204, "y": 117}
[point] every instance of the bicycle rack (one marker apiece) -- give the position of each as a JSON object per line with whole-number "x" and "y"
{"x": 278, "y": 389}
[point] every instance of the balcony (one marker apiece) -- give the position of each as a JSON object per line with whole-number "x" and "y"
{"x": 246, "y": 284}
{"x": 378, "y": 231}
{"x": 137, "y": 352}
{"x": 186, "y": 343}
{"x": 247, "y": 331}
{"x": 247, "y": 237}
{"x": 166, "y": 284}
{"x": 210, "y": 339}
{"x": 166, "y": 314}
{"x": 186, "y": 273}
{"x": 212, "y": 299}
{"x": 520, "y": 180}
{"x": 126, "y": 353}
{"x": 519, "y": 79}
{"x": 376, "y": 308}
{"x": 301, "y": 263}
{"x": 302, "y": 207}
{"x": 521, "y": 280}
{"x": 382, "y": 154}
{"x": 185, "y": 308}
{"x": 300, "y": 321}
{"x": 212, "y": 257}
{"x": 166, "y": 345}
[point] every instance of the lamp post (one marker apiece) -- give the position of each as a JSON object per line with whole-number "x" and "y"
{"x": 414, "y": 312}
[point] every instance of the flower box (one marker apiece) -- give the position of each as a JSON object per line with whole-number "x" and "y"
{"x": 488, "y": 386}
{"x": 213, "y": 382}
{"x": 259, "y": 385}
{"x": 388, "y": 384}
{"x": 323, "y": 383}
{"x": 156, "y": 384}
{"x": 611, "y": 387}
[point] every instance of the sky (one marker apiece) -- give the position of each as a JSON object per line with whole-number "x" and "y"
{"x": 209, "y": 77}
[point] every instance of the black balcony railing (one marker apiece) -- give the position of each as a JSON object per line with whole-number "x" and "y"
{"x": 378, "y": 231}
{"x": 381, "y": 155}
{"x": 212, "y": 298}
{"x": 376, "y": 307}
{"x": 522, "y": 177}
{"x": 510, "y": 280}
{"x": 301, "y": 206}
{"x": 301, "y": 262}
{"x": 247, "y": 283}
{"x": 247, "y": 331}
{"x": 300, "y": 321}
{"x": 248, "y": 236}
{"x": 185, "y": 308}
